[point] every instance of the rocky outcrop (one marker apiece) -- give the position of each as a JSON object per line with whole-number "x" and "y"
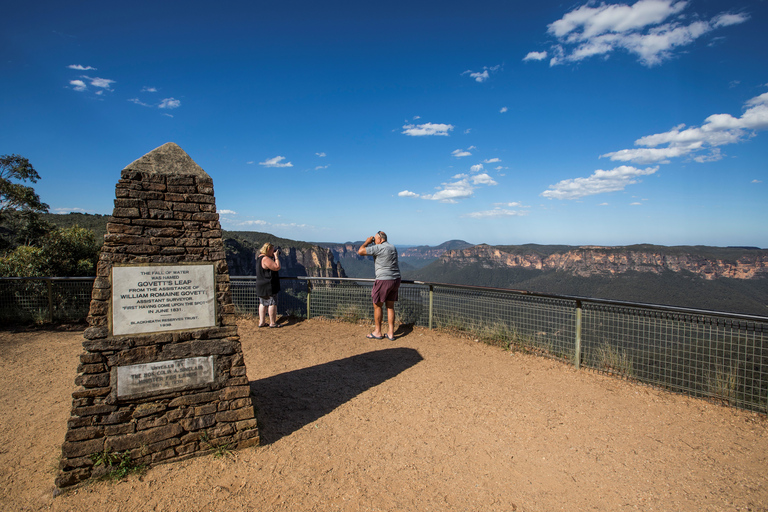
{"x": 608, "y": 261}
{"x": 305, "y": 260}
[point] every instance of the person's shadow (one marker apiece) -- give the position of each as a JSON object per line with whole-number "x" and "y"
{"x": 289, "y": 401}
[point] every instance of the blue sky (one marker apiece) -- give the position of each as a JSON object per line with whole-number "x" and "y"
{"x": 497, "y": 122}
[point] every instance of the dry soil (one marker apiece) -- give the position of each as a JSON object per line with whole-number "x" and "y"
{"x": 430, "y": 421}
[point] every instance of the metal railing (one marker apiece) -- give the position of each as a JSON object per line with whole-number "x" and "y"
{"x": 709, "y": 354}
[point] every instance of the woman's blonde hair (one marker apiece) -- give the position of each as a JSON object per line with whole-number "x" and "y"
{"x": 266, "y": 248}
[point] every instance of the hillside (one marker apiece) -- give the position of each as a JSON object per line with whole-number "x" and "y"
{"x": 733, "y": 279}
{"x": 715, "y": 278}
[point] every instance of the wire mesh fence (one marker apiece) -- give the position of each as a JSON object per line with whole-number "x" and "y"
{"x": 44, "y": 299}
{"x": 713, "y": 355}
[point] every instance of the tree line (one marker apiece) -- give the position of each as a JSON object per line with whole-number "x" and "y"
{"x": 31, "y": 246}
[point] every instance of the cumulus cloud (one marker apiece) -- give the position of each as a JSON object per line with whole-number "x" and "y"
{"x": 227, "y": 212}
{"x": 276, "y": 162}
{"x": 599, "y": 182}
{"x": 103, "y": 83}
{"x": 484, "y": 75}
{"x": 495, "y": 213}
{"x": 169, "y": 103}
{"x": 535, "y": 56}
{"x": 427, "y": 129}
{"x": 652, "y": 30}
{"x": 717, "y": 130}
{"x": 491, "y": 160}
{"x": 80, "y": 67}
{"x": 321, "y": 167}
{"x": 458, "y": 153}
{"x": 462, "y": 186}
{"x": 78, "y": 85}
{"x": 476, "y": 168}
{"x": 503, "y": 109}
{"x": 321, "y": 155}
{"x": 148, "y": 89}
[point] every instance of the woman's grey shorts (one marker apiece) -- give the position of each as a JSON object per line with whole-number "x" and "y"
{"x": 268, "y": 301}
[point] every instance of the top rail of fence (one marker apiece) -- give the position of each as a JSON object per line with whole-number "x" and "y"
{"x": 578, "y": 299}
{"x": 575, "y": 298}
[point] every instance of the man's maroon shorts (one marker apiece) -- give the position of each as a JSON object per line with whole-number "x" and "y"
{"x": 384, "y": 291}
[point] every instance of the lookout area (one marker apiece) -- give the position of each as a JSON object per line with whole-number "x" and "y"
{"x": 431, "y": 421}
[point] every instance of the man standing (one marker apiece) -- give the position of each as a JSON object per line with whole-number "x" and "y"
{"x": 387, "y": 281}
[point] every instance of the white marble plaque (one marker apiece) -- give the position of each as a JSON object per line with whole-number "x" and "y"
{"x": 162, "y": 298}
{"x": 153, "y": 378}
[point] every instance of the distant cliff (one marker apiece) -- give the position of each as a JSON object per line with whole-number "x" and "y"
{"x": 296, "y": 258}
{"x": 707, "y": 262}
{"x": 410, "y": 258}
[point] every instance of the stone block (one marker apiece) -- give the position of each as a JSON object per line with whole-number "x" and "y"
{"x": 98, "y": 380}
{"x": 145, "y": 423}
{"x": 236, "y": 392}
{"x": 244, "y": 413}
{"x": 198, "y": 423}
{"x": 72, "y": 477}
{"x": 71, "y": 450}
{"x": 91, "y": 368}
{"x": 148, "y": 409}
{"x": 194, "y": 399}
{"x": 93, "y": 410}
{"x": 82, "y": 392}
{"x": 84, "y": 433}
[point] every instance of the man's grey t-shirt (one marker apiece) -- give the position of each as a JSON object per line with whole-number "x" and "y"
{"x": 384, "y": 261}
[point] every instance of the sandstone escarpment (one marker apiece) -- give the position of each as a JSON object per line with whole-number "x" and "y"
{"x": 609, "y": 261}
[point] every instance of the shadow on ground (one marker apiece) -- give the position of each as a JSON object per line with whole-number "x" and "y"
{"x": 289, "y": 401}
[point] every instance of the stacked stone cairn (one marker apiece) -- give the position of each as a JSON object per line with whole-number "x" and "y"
{"x": 164, "y": 214}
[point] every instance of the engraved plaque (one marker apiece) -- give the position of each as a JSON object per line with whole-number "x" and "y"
{"x": 157, "y": 298}
{"x": 177, "y": 374}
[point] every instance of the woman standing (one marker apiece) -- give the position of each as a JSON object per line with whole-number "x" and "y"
{"x": 268, "y": 284}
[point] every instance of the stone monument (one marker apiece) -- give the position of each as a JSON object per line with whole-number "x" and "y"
{"x": 162, "y": 375}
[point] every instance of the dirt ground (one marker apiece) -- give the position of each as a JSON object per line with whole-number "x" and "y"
{"x": 429, "y": 422}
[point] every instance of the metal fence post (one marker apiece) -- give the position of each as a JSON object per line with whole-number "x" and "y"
{"x": 49, "y": 282}
{"x": 431, "y": 296}
{"x": 309, "y": 294}
{"x": 577, "y": 348}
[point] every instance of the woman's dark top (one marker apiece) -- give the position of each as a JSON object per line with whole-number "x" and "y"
{"x": 267, "y": 281}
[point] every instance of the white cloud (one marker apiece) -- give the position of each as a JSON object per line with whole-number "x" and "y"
{"x": 321, "y": 167}
{"x": 535, "y": 56}
{"x": 427, "y": 129}
{"x": 458, "y": 153}
{"x": 650, "y": 29}
{"x": 717, "y": 130}
{"x": 756, "y": 181}
{"x": 138, "y": 102}
{"x": 462, "y": 187}
{"x": 635, "y": 204}
{"x": 103, "y": 83}
{"x": 484, "y": 75}
{"x": 598, "y": 183}
{"x": 476, "y": 168}
{"x": 148, "y": 89}
{"x": 503, "y": 109}
{"x": 69, "y": 210}
{"x": 495, "y": 213}
{"x": 276, "y": 162}
{"x": 78, "y": 85}
{"x": 169, "y": 103}
{"x": 491, "y": 160}
{"x": 227, "y": 212}
{"x": 483, "y": 179}
{"x": 321, "y": 155}
{"x": 80, "y": 67}
{"x": 253, "y": 223}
